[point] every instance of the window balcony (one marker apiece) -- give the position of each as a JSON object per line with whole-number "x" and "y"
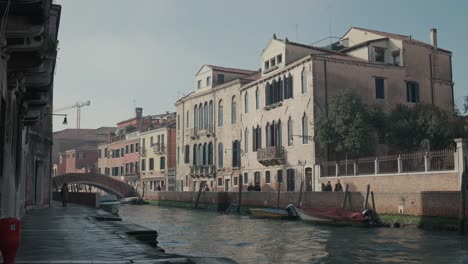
{"x": 271, "y": 156}
{"x": 202, "y": 171}
{"x": 159, "y": 148}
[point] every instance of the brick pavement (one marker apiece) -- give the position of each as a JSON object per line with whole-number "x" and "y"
{"x": 73, "y": 235}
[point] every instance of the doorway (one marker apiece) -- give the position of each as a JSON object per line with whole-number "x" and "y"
{"x": 38, "y": 176}
{"x": 308, "y": 179}
{"x": 226, "y": 185}
{"x": 291, "y": 180}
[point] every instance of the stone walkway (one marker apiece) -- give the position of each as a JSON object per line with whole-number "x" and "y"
{"x": 72, "y": 234}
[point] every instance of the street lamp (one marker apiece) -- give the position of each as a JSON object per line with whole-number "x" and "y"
{"x": 65, "y": 122}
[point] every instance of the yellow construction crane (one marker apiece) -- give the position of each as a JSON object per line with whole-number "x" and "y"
{"x": 76, "y": 105}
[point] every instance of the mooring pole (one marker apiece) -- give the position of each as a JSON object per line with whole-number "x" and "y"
{"x": 239, "y": 197}
{"x": 279, "y": 190}
{"x": 461, "y": 213}
{"x": 202, "y": 186}
{"x": 373, "y": 202}
{"x": 366, "y": 201}
{"x": 345, "y": 196}
{"x": 300, "y": 194}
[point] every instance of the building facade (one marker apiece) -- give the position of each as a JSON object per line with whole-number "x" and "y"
{"x": 277, "y": 109}
{"x": 209, "y": 128}
{"x": 83, "y": 159}
{"x": 28, "y": 51}
{"x": 125, "y": 155}
{"x": 74, "y": 138}
{"x": 158, "y": 158}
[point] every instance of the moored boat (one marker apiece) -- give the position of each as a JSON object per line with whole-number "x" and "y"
{"x": 335, "y": 216}
{"x": 271, "y": 213}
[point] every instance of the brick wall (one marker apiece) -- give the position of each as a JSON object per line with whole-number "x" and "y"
{"x": 401, "y": 183}
{"x": 426, "y": 203}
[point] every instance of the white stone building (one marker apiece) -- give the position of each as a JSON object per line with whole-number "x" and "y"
{"x": 276, "y": 109}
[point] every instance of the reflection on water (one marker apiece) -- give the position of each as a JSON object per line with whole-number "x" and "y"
{"x": 248, "y": 240}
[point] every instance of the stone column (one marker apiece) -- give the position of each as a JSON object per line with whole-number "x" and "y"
{"x": 427, "y": 162}
{"x": 400, "y": 164}
{"x": 337, "y": 169}
{"x": 462, "y": 156}
{"x": 355, "y": 163}
{"x": 376, "y": 165}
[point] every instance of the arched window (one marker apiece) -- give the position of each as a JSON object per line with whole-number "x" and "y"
{"x": 220, "y": 113}
{"x": 305, "y": 129}
{"x": 246, "y": 102}
{"x": 205, "y": 121}
{"x": 288, "y": 87}
{"x": 220, "y": 155}
{"x": 267, "y": 134}
{"x": 201, "y": 117}
{"x": 235, "y": 154}
{"x": 194, "y": 161}
{"x": 233, "y": 110}
{"x": 246, "y": 141}
{"x": 280, "y": 89}
{"x": 210, "y": 117}
{"x": 257, "y": 99}
{"x": 267, "y": 94}
{"x": 256, "y": 138}
{"x": 195, "y": 118}
{"x": 304, "y": 81}
{"x": 210, "y": 153}
{"x": 200, "y": 154}
{"x": 279, "y": 134}
{"x": 290, "y": 132}
{"x": 274, "y": 93}
{"x": 205, "y": 155}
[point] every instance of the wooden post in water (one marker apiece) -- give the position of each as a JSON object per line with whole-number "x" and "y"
{"x": 300, "y": 194}
{"x": 279, "y": 189}
{"x": 373, "y": 202}
{"x": 239, "y": 197}
{"x": 461, "y": 213}
{"x": 345, "y": 196}
{"x": 202, "y": 186}
{"x": 366, "y": 201}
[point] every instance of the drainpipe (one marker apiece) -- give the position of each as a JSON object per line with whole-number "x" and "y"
{"x": 433, "y": 60}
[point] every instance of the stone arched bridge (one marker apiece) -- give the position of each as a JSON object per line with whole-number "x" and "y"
{"x": 106, "y": 183}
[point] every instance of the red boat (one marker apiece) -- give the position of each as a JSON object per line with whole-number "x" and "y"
{"x": 336, "y": 216}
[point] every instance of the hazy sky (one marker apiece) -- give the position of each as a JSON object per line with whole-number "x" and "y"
{"x": 124, "y": 53}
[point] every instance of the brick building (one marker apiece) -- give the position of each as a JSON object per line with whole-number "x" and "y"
{"x": 121, "y": 156}
{"x": 79, "y": 160}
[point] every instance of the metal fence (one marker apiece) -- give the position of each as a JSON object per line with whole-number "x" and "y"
{"x": 366, "y": 166}
{"x": 413, "y": 162}
{"x": 442, "y": 160}
{"x": 437, "y": 160}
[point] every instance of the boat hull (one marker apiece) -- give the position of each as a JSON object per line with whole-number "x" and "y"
{"x": 321, "y": 217}
{"x": 269, "y": 213}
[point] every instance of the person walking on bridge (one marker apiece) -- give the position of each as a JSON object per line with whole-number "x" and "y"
{"x": 64, "y": 194}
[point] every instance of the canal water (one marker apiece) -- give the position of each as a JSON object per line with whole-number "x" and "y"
{"x": 248, "y": 240}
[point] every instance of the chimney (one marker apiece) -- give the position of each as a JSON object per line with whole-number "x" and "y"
{"x": 139, "y": 112}
{"x": 434, "y": 37}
